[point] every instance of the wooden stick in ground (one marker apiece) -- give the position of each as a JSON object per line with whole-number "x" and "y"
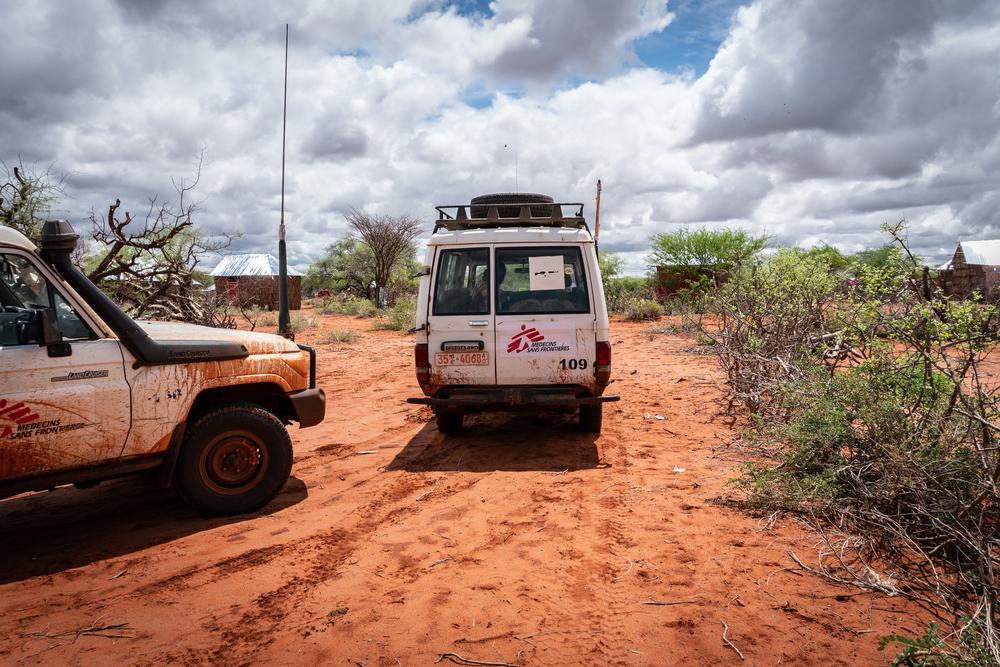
{"x": 454, "y": 657}
{"x": 725, "y": 640}
{"x": 667, "y": 603}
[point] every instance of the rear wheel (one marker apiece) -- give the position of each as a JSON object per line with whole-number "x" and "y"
{"x": 233, "y": 460}
{"x": 449, "y": 422}
{"x": 591, "y": 417}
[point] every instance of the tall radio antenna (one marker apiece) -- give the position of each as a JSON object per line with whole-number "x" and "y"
{"x": 284, "y": 324}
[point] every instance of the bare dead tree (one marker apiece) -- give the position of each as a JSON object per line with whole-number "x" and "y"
{"x": 390, "y": 239}
{"x": 149, "y": 266}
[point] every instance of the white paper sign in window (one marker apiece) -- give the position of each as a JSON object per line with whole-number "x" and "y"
{"x": 546, "y": 273}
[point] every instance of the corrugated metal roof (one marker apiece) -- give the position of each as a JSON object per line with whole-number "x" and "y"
{"x": 257, "y": 264}
{"x": 981, "y": 252}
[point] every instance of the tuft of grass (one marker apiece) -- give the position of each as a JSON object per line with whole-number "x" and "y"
{"x": 343, "y": 336}
{"x": 302, "y": 322}
{"x": 268, "y": 319}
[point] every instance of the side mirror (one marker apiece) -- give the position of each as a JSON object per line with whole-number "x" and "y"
{"x": 51, "y": 337}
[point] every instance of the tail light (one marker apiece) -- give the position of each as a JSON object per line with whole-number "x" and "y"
{"x": 602, "y": 368}
{"x": 421, "y": 356}
{"x": 423, "y": 362}
{"x": 603, "y": 353}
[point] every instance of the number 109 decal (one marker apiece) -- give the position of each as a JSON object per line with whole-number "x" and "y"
{"x": 573, "y": 364}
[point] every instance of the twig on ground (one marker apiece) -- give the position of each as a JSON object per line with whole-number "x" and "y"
{"x": 630, "y": 564}
{"x": 454, "y": 657}
{"x": 92, "y": 630}
{"x": 667, "y": 603}
{"x": 725, "y": 640}
{"x": 432, "y": 490}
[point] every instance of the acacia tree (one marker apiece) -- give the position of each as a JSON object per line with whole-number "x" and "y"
{"x": 719, "y": 249}
{"x": 390, "y": 239}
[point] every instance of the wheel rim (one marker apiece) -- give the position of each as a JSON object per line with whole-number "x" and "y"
{"x": 233, "y": 462}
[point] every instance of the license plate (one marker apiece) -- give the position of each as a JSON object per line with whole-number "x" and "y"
{"x": 463, "y": 359}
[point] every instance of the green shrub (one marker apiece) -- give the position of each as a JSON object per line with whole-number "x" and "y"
{"x": 933, "y": 650}
{"x": 642, "y": 310}
{"x": 771, "y": 314}
{"x": 900, "y": 447}
{"x": 400, "y": 317}
{"x": 351, "y": 306}
{"x": 622, "y": 293}
{"x": 343, "y": 336}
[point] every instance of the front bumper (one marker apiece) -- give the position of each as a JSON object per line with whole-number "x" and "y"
{"x": 309, "y": 406}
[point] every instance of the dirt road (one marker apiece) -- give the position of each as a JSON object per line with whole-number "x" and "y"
{"x": 520, "y": 541}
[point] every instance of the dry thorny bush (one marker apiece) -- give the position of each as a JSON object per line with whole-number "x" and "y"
{"x": 889, "y": 425}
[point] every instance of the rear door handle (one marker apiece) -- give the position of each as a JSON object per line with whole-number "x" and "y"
{"x": 479, "y": 323}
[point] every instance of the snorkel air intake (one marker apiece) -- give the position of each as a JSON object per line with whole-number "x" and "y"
{"x": 57, "y": 243}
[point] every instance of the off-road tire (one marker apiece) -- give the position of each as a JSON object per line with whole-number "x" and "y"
{"x": 480, "y": 205}
{"x": 233, "y": 460}
{"x": 449, "y": 422}
{"x": 591, "y": 417}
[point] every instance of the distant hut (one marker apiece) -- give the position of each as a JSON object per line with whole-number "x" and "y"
{"x": 975, "y": 267}
{"x": 252, "y": 280}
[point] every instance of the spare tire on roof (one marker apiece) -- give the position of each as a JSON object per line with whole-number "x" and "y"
{"x": 480, "y": 205}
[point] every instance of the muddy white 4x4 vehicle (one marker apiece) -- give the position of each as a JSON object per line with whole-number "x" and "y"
{"x": 88, "y": 394}
{"x": 511, "y": 312}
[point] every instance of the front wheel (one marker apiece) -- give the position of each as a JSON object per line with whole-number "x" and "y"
{"x": 233, "y": 460}
{"x": 591, "y": 417}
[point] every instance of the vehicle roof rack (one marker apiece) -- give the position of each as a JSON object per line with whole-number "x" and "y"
{"x": 453, "y": 217}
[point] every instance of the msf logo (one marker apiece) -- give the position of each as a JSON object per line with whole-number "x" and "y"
{"x": 19, "y": 413}
{"x": 519, "y": 341}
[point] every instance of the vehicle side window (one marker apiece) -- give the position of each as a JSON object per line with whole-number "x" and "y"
{"x": 23, "y": 289}
{"x": 463, "y": 282}
{"x": 534, "y": 281}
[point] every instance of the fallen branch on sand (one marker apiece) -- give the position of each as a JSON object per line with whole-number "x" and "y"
{"x": 667, "y": 603}
{"x": 725, "y": 640}
{"x": 93, "y": 630}
{"x": 454, "y": 657}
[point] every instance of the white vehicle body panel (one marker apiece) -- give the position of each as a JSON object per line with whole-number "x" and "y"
{"x": 61, "y": 412}
{"x": 525, "y": 349}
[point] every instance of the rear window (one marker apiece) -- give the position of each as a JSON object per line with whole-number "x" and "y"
{"x": 534, "y": 281}
{"x": 463, "y": 282}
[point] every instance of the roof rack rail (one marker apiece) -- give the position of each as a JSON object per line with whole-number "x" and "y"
{"x": 469, "y": 216}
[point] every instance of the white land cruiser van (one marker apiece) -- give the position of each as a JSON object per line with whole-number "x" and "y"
{"x": 88, "y": 394}
{"x": 511, "y": 312}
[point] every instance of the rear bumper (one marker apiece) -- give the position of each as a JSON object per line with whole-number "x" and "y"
{"x": 510, "y": 398}
{"x": 309, "y": 406}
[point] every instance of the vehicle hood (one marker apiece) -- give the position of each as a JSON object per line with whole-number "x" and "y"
{"x": 255, "y": 342}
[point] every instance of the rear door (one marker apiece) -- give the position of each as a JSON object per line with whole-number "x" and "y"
{"x": 460, "y": 333}
{"x": 545, "y": 324}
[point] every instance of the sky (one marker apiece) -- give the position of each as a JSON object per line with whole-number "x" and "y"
{"x": 812, "y": 121}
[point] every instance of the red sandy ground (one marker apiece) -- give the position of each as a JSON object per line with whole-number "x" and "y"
{"x": 519, "y": 541}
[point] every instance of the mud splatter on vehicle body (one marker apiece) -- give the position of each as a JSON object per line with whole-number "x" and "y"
{"x": 88, "y": 394}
